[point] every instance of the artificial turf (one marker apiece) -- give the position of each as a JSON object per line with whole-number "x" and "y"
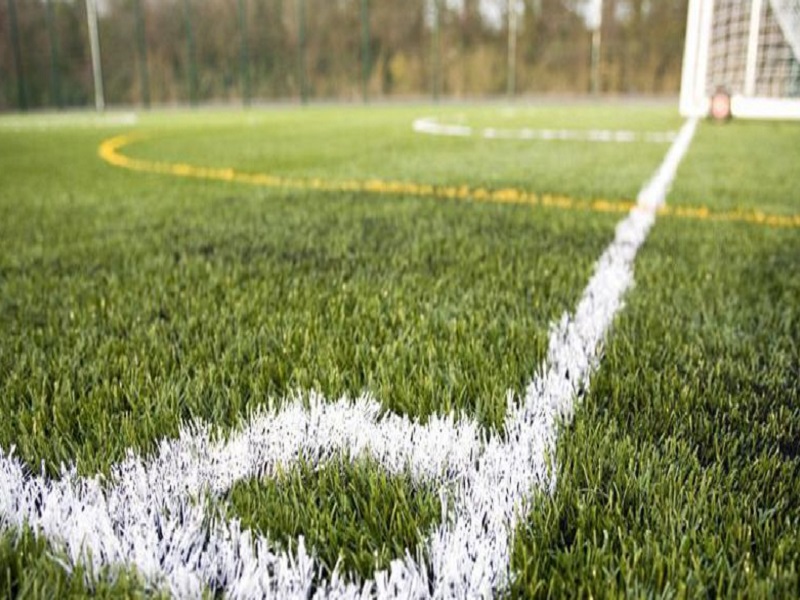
{"x": 132, "y": 303}
{"x": 680, "y": 475}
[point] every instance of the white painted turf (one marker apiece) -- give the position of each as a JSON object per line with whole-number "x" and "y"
{"x": 431, "y": 126}
{"x": 67, "y": 120}
{"x": 154, "y": 514}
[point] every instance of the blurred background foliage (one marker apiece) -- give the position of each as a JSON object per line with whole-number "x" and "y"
{"x": 179, "y": 51}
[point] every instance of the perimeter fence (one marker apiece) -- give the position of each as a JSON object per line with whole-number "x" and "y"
{"x": 156, "y": 52}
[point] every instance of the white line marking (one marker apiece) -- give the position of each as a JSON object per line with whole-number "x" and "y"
{"x": 431, "y": 126}
{"x": 154, "y": 514}
{"x": 67, "y": 120}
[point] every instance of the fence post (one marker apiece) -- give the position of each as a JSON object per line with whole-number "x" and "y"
{"x": 511, "y": 83}
{"x": 596, "y": 37}
{"x": 365, "y": 51}
{"x": 22, "y": 97}
{"x": 244, "y": 53}
{"x": 97, "y": 65}
{"x": 437, "y": 62}
{"x": 596, "y": 26}
{"x": 55, "y": 74}
{"x": 141, "y": 40}
{"x": 301, "y": 34}
{"x": 187, "y": 13}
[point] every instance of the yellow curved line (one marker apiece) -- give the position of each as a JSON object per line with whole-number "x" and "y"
{"x": 109, "y": 151}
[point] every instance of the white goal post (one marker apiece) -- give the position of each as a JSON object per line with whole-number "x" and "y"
{"x": 748, "y": 49}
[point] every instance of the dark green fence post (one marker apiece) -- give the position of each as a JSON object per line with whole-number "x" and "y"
{"x": 55, "y": 73}
{"x": 511, "y": 83}
{"x": 595, "y": 62}
{"x": 97, "y": 59}
{"x": 365, "y": 54}
{"x": 244, "y": 56}
{"x": 436, "y": 75}
{"x": 187, "y": 12}
{"x": 22, "y": 98}
{"x": 301, "y": 34}
{"x": 141, "y": 40}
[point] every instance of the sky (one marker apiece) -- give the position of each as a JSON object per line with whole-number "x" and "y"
{"x": 494, "y": 11}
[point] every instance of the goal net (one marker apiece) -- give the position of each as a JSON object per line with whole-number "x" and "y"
{"x": 748, "y": 49}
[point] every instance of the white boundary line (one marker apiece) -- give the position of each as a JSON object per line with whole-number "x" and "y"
{"x": 155, "y": 514}
{"x": 431, "y": 126}
{"x": 67, "y": 121}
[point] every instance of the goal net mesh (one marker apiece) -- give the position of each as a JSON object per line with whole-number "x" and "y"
{"x": 777, "y": 67}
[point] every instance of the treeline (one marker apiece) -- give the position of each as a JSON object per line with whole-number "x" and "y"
{"x": 180, "y": 51}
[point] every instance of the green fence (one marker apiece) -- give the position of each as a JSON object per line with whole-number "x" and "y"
{"x": 155, "y": 52}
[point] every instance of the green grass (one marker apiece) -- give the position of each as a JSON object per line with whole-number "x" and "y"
{"x": 748, "y": 166}
{"x": 358, "y": 143}
{"x": 189, "y": 299}
{"x": 355, "y": 516}
{"x": 681, "y": 473}
{"x": 28, "y": 569}
{"x": 131, "y": 303}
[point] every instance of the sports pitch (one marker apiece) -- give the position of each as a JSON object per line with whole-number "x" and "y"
{"x": 522, "y": 351}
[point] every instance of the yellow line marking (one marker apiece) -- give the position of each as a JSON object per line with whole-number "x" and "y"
{"x": 109, "y": 151}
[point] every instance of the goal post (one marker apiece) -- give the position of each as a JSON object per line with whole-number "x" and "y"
{"x": 750, "y": 50}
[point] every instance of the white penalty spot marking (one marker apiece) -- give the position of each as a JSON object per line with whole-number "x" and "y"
{"x": 153, "y": 514}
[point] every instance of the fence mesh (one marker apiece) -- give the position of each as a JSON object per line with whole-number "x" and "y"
{"x": 157, "y": 52}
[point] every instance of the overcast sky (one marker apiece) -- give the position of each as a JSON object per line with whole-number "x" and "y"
{"x": 494, "y": 10}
